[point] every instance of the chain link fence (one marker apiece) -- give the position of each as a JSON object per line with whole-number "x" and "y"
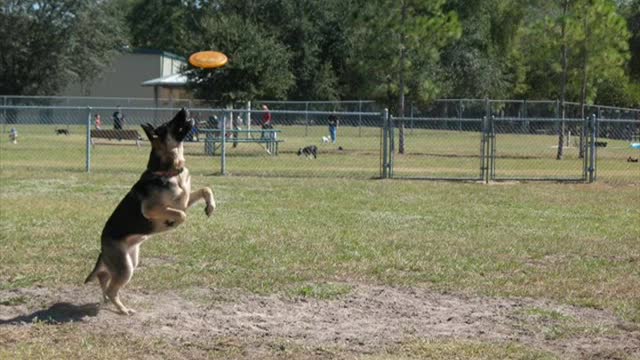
{"x": 224, "y": 141}
{"x": 473, "y": 140}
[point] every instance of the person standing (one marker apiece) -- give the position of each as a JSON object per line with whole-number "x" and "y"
{"x": 266, "y": 119}
{"x": 98, "y": 122}
{"x": 333, "y": 127}
{"x": 118, "y": 119}
{"x": 237, "y": 126}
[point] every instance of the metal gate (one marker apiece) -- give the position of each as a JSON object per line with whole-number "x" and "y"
{"x": 489, "y": 149}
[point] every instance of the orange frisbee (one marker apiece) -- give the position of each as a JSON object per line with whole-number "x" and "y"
{"x": 208, "y": 59}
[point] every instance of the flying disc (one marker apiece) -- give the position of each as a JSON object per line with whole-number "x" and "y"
{"x": 208, "y": 59}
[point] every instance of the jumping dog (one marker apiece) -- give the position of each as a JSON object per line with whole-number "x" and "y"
{"x": 156, "y": 203}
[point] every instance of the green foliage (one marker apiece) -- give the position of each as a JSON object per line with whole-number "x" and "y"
{"x": 48, "y": 43}
{"x": 258, "y": 65}
{"x": 333, "y": 49}
{"x": 597, "y": 42}
{"x": 162, "y": 24}
{"x": 100, "y": 32}
{"x": 482, "y": 63}
{"x": 314, "y": 32}
{"x": 384, "y": 30}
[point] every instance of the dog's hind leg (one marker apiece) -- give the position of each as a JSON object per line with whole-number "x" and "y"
{"x": 120, "y": 266}
{"x": 103, "y": 278}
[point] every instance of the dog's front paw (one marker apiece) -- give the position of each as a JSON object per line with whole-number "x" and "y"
{"x": 209, "y": 209}
{"x": 170, "y": 223}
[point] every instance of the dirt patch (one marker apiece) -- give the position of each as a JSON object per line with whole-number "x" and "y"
{"x": 366, "y": 320}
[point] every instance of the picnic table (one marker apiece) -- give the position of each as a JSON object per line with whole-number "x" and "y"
{"x": 267, "y": 137}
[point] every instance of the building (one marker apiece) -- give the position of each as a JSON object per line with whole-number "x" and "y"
{"x": 131, "y": 69}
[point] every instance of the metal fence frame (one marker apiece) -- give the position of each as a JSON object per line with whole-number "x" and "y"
{"x": 486, "y": 112}
{"x": 488, "y": 154}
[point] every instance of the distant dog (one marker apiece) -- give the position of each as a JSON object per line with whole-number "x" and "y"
{"x": 62, "y": 132}
{"x": 601, "y": 144}
{"x": 309, "y": 151}
{"x": 326, "y": 139}
{"x": 630, "y": 159}
{"x": 13, "y": 136}
{"x": 156, "y": 203}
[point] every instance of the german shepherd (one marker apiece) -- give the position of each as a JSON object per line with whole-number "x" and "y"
{"x": 156, "y": 203}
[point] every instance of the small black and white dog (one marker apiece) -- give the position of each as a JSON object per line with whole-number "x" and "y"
{"x": 309, "y": 151}
{"x": 62, "y": 132}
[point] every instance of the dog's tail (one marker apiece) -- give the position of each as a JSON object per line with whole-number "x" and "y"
{"x": 94, "y": 272}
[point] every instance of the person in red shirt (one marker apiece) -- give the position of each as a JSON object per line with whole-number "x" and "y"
{"x": 266, "y": 119}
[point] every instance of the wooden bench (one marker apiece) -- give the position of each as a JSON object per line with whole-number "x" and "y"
{"x": 115, "y": 134}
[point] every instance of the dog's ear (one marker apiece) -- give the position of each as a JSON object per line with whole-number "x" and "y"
{"x": 148, "y": 129}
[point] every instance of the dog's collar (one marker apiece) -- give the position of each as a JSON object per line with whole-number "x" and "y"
{"x": 168, "y": 174}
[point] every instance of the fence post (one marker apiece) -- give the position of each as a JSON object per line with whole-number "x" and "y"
{"x": 592, "y": 147}
{"x": 88, "y": 143}
{"x": 385, "y": 143}
{"x": 248, "y": 115}
{"x": 492, "y": 148}
{"x": 223, "y": 143}
{"x": 306, "y": 119}
{"x": 460, "y": 111}
{"x": 584, "y": 147}
{"x": 411, "y": 115}
{"x": 484, "y": 150}
{"x": 359, "y": 117}
{"x": 4, "y": 114}
{"x": 392, "y": 145}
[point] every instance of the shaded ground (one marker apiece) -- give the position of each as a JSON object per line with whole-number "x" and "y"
{"x": 364, "y": 321}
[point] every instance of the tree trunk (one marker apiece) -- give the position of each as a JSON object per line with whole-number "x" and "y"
{"x": 563, "y": 85}
{"x": 583, "y": 88}
{"x": 403, "y": 59}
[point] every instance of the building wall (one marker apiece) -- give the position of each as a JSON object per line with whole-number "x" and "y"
{"x": 171, "y": 66}
{"x": 127, "y": 73}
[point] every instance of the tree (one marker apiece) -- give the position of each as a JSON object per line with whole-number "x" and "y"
{"x": 313, "y": 31}
{"x": 563, "y": 83}
{"x": 483, "y": 62}
{"x": 588, "y": 38}
{"x": 43, "y": 39}
{"x": 401, "y": 40}
{"x": 167, "y": 25}
{"x": 600, "y": 53}
{"x": 99, "y": 34}
{"x": 258, "y": 64}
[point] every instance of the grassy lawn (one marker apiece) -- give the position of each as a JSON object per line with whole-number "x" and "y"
{"x": 571, "y": 243}
{"x": 357, "y": 155}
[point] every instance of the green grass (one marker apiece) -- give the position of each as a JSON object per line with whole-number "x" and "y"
{"x": 571, "y": 243}
{"x": 429, "y": 153}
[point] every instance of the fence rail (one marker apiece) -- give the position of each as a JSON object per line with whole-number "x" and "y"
{"x": 474, "y": 140}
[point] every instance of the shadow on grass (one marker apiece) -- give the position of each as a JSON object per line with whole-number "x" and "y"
{"x": 59, "y": 313}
